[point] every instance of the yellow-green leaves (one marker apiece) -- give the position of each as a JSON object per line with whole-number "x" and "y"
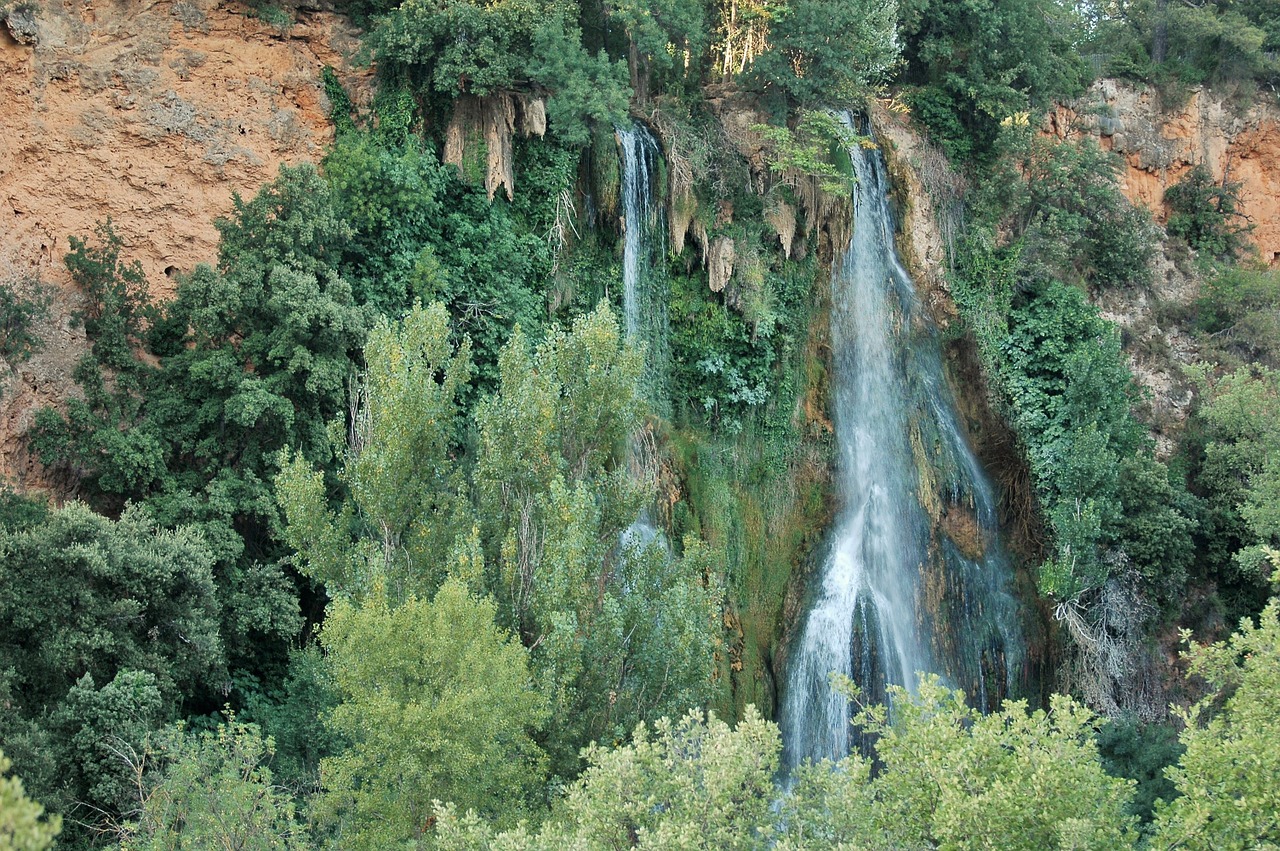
{"x": 23, "y": 826}
{"x": 436, "y": 703}
{"x": 1227, "y": 777}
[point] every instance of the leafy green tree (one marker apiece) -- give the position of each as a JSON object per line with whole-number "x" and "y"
{"x": 95, "y": 729}
{"x": 107, "y": 629}
{"x": 457, "y": 47}
{"x": 270, "y": 335}
{"x": 97, "y": 441}
{"x": 1239, "y": 315}
{"x": 436, "y": 702}
{"x": 949, "y": 777}
{"x": 1060, "y": 205}
{"x": 554, "y": 495}
{"x": 1240, "y": 469}
{"x": 1226, "y": 779}
{"x": 955, "y": 778}
{"x": 694, "y": 783}
{"x": 583, "y": 88}
{"x": 392, "y": 199}
{"x": 80, "y": 594}
{"x": 24, "y": 300}
{"x": 23, "y": 825}
{"x": 1207, "y": 215}
{"x": 668, "y": 37}
{"x": 406, "y": 495}
{"x": 211, "y": 789}
{"x": 974, "y": 65}
{"x": 561, "y": 417}
{"x": 824, "y": 52}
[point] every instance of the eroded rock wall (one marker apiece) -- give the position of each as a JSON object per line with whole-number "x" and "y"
{"x": 151, "y": 113}
{"x": 1236, "y": 142}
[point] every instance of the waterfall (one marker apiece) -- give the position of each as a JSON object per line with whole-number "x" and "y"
{"x": 913, "y": 577}
{"x": 644, "y": 297}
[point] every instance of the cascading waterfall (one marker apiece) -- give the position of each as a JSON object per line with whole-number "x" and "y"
{"x": 644, "y": 293}
{"x": 643, "y": 296}
{"x": 914, "y": 577}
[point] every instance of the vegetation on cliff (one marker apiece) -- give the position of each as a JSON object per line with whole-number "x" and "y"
{"x": 359, "y": 556}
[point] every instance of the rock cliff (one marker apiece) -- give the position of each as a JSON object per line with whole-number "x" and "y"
{"x": 150, "y": 112}
{"x": 1159, "y": 145}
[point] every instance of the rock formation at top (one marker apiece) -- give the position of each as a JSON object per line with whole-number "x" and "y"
{"x": 1159, "y": 146}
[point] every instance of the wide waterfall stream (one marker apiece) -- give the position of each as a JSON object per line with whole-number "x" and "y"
{"x": 913, "y": 577}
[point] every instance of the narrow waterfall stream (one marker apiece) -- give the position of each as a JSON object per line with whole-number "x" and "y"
{"x": 914, "y": 578}
{"x": 643, "y": 301}
{"x": 639, "y": 159}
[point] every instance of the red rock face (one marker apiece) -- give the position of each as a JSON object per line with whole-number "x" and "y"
{"x": 1241, "y": 144}
{"x": 152, "y": 113}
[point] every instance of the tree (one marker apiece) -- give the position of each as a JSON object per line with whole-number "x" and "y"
{"x": 210, "y": 789}
{"x": 23, "y": 826}
{"x": 436, "y": 702}
{"x": 107, "y": 629}
{"x": 1240, "y": 467}
{"x": 662, "y": 36}
{"x": 1207, "y": 215}
{"x": 554, "y": 495}
{"x": 829, "y": 52}
{"x": 955, "y": 778}
{"x": 405, "y": 494}
{"x": 949, "y": 777}
{"x": 457, "y": 47}
{"x": 974, "y": 65}
{"x": 695, "y": 783}
{"x": 80, "y": 594}
{"x": 1226, "y": 779}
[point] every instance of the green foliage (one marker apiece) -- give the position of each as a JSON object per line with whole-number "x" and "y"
{"x": 81, "y": 594}
{"x": 458, "y": 47}
{"x": 1239, "y": 315}
{"x": 436, "y": 703}
{"x": 289, "y": 713}
{"x": 462, "y": 46}
{"x": 1176, "y": 45}
{"x": 668, "y": 38}
{"x": 949, "y": 777}
{"x": 553, "y": 498}
{"x": 974, "y": 65}
{"x": 829, "y": 52}
{"x": 24, "y": 301}
{"x": 1207, "y": 215}
{"x": 340, "y": 107}
{"x": 1068, "y": 391}
{"x": 106, "y": 628}
{"x": 1241, "y": 466}
{"x": 1226, "y": 779}
{"x": 403, "y": 486}
{"x": 23, "y": 825}
{"x": 584, "y": 88}
{"x": 118, "y": 306}
{"x": 1060, "y": 203}
{"x": 210, "y": 789}
{"x": 815, "y": 149}
{"x": 695, "y": 783}
{"x": 1059, "y": 367}
{"x": 562, "y": 414}
{"x": 95, "y": 441}
{"x": 1141, "y": 752}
